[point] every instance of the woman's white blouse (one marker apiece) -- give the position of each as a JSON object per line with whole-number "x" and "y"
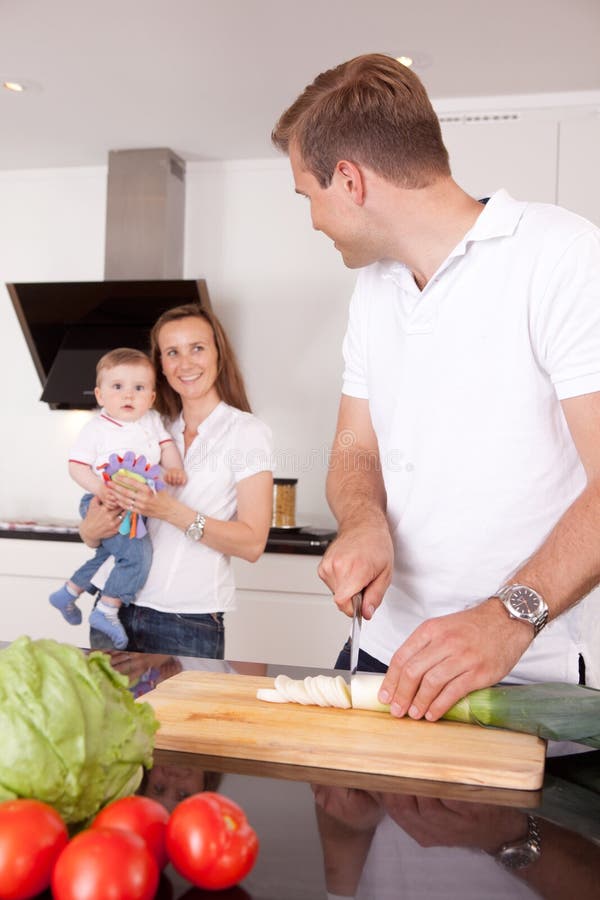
{"x": 187, "y": 576}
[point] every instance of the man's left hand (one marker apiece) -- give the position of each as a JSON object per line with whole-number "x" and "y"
{"x": 446, "y": 658}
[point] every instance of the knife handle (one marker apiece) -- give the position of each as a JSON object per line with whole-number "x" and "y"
{"x": 357, "y": 603}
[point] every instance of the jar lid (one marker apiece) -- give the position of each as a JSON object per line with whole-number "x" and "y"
{"x": 285, "y": 481}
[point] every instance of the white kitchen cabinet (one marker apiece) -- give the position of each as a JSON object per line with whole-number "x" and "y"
{"x": 518, "y": 154}
{"x": 578, "y": 180}
{"x": 29, "y": 572}
{"x": 285, "y": 614}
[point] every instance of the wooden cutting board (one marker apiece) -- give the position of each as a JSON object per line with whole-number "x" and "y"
{"x": 218, "y": 714}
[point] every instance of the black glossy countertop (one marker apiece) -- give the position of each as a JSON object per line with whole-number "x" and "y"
{"x": 327, "y": 834}
{"x": 306, "y": 541}
{"x": 335, "y": 833}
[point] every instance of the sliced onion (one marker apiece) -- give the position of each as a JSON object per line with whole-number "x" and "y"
{"x": 343, "y": 693}
{"x": 322, "y": 690}
{"x": 293, "y": 690}
{"x": 270, "y": 695}
{"x": 364, "y": 687}
{"x": 312, "y": 689}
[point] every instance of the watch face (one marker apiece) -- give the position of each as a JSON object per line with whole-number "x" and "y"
{"x": 524, "y": 601}
{"x": 517, "y": 857}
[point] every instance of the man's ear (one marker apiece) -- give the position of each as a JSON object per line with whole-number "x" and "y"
{"x": 352, "y": 179}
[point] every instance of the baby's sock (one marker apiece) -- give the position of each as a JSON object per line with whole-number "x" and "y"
{"x": 111, "y": 612}
{"x": 64, "y": 600}
{"x": 105, "y": 618}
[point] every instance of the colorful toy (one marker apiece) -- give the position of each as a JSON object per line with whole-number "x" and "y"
{"x": 138, "y": 469}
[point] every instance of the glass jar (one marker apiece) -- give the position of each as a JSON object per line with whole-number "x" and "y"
{"x": 284, "y": 503}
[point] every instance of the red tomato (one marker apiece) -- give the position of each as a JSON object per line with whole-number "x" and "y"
{"x": 32, "y": 835}
{"x": 105, "y": 864}
{"x": 210, "y": 842}
{"x": 141, "y": 815}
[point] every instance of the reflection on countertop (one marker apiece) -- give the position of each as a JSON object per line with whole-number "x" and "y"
{"x": 334, "y": 833}
{"x": 375, "y": 837}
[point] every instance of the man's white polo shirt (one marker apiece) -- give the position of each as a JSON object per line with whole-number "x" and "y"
{"x": 464, "y": 381}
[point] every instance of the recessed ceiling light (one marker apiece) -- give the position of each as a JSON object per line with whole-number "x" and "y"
{"x": 417, "y": 60}
{"x": 17, "y": 84}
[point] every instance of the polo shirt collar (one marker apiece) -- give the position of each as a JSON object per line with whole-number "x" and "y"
{"x": 178, "y": 426}
{"x": 498, "y": 218}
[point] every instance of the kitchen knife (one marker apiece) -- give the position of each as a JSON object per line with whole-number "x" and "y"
{"x": 355, "y": 634}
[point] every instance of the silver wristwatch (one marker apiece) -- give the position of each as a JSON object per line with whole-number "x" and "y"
{"x": 524, "y": 603}
{"x": 518, "y": 854}
{"x": 195, "y": 531}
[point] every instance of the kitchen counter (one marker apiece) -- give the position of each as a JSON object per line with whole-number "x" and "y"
{"x": 305, "y": 541}
{"x": 326, "y": 833}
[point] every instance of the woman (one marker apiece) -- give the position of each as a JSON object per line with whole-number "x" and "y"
{"x": 223, "y": 510}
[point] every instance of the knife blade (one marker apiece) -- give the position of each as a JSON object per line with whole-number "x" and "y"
{"x": 355, "y": 633}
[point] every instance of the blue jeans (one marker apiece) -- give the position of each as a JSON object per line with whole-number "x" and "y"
{"x": 132, "y": 556}
{"x": 173, "y": 634}
{"x": 366, "y": 663}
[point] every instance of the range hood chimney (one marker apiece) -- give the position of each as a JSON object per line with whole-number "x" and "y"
{"x": 145, "y": 215}
{"x": 69, "y": 325}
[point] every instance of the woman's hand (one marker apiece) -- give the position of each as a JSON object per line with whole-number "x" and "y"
{"x": 100, "y": 522}
{"x": 139, "y": 498}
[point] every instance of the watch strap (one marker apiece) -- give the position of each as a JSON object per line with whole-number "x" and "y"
{"x": 195, "y": 530}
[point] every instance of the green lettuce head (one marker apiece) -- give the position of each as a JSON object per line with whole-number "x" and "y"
{"x": 71, "y": 734}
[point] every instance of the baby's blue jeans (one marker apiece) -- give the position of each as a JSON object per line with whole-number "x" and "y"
{"x": 133, "y": 557}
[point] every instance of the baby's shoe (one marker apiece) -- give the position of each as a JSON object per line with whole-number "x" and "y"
{"x": 111, "y": 627}
{"x": 63, "y": 600}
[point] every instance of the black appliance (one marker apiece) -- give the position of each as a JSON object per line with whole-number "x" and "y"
{"x": 68, "y": 326}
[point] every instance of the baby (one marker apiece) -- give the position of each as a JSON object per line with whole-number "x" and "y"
{"x": 125, "y": 381}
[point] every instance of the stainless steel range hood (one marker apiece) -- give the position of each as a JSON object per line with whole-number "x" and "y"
{"x": 69, "y": 325}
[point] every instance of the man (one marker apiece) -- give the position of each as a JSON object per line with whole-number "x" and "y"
{"x": 466, "y": 460}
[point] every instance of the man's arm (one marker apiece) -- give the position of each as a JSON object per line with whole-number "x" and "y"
{"x": 362, "y": 555}
{"x": 447, "y": 657}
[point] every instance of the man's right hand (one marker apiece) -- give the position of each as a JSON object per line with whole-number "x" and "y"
{"x": 360, "y": 559}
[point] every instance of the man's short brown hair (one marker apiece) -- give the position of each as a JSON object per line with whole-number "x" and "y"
{"x": 371, "y": 110}
{"x": 122, "y": 356}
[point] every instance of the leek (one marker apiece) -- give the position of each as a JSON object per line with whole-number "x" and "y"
{"x": 552, "y": 711}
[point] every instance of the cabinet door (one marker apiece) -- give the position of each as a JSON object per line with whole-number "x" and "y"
{"x": 292, "y": 629}
{"x": 518, "y": 155}
{"x": 29, "y": 572}
{"x": 285, "y": 614}
{"x": 578, "y": 179}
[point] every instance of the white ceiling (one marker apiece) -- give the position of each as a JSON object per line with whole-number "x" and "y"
{"x": 208, "y": 78}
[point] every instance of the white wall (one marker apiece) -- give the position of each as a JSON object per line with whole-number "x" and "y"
{"x": 280, "y": 288}
{"x": 282, "y": 293}
{"x": 51, "y": 229}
